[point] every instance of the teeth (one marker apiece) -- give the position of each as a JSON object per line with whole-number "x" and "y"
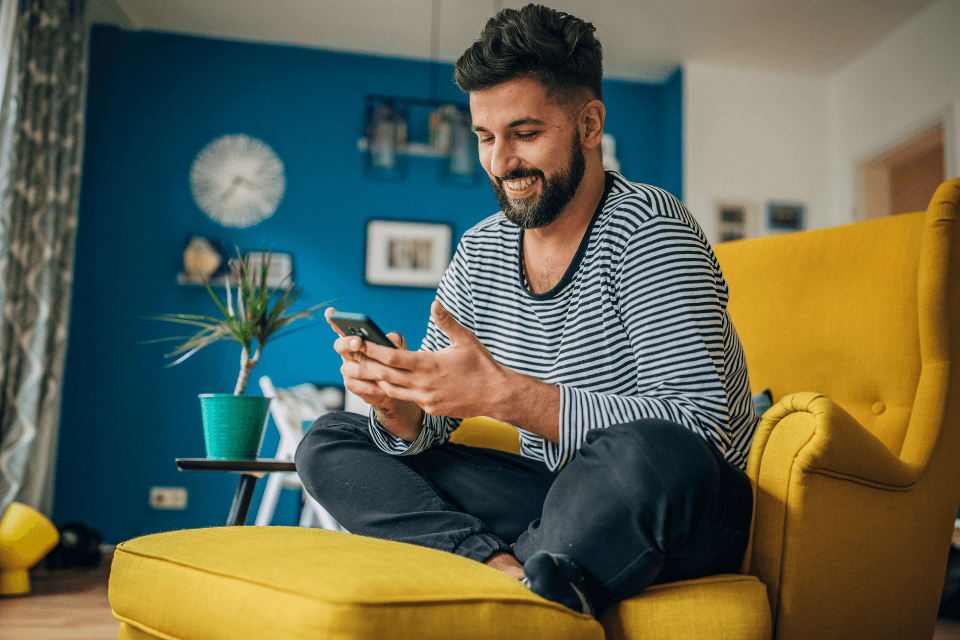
{"x": 520, "y": 185}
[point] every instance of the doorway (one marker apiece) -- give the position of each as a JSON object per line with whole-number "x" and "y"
{"x": 904, "y": 179}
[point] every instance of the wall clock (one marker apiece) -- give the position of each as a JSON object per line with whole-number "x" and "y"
{"x": 237, "y": 180}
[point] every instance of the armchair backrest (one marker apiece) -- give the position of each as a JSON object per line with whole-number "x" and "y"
{"x": 845, "y": 312}
{"x": 846, "y": 535}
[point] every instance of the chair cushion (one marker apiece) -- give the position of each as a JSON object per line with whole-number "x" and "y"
{"x": 488, "y": 433}
{"x": 232, "y": 583}
{"x": 725, "y": 607}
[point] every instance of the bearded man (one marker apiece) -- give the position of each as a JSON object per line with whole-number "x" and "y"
{"x": 590, "y": 313}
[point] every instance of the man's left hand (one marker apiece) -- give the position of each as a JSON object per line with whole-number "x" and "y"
{"x": 460, "y": 381}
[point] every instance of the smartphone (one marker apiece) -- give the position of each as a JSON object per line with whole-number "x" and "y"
{"x": 357, "y": 324}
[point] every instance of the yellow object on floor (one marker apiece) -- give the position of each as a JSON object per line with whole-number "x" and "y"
{"x": 26, "y": 536}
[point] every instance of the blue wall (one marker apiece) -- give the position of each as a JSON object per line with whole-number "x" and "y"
{"x": 154, "y": 101}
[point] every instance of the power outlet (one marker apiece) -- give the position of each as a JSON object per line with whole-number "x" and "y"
{"x": 172, "y": 498}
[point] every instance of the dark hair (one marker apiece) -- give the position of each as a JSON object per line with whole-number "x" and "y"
{"x": 553, "y": 47}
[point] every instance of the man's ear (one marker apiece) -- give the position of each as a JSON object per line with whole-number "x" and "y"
{"x": 591, "y": 123}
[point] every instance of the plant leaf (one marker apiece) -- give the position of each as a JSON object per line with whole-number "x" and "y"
{"x": 156, "y": 340}
{"x": 226, "y": 286}
{"x": 172, "y": 364}
{"x": 223, "y": 310}
{"x": 260, "y": 312}
{"x": 184, "y": 318}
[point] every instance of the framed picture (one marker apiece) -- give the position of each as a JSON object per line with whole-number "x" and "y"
{"x": 407, "y": 254}
{"x": 732, "y": 221}
{"x": 784, "y": 216}
{"x": 461, "y": 162}
{"x": 385, "y": 139}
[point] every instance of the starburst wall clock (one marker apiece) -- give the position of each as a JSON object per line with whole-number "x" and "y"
{"x": 237, "y": 180}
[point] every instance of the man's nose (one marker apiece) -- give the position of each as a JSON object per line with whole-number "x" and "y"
{"x": 503, "y": 159}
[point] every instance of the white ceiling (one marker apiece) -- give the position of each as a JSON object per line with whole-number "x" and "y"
{"x": 642, "y": 39}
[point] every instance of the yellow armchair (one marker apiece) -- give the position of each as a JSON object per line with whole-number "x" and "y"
{"x": 856, "y": 332}
{"x": 856, "y": 485}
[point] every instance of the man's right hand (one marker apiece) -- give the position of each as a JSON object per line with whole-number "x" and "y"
{"x": 402, "y": 418}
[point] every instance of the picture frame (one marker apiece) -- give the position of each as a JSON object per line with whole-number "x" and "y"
{"x": 385, "y": 139}
{"x": 460, "y": 165}
{"x": 785, "y": 216}
{"x": 733, "y": 221}
{"x": 407, "y": 254}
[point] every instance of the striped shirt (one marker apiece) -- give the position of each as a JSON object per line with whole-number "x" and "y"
{"x": 636, "y": 328}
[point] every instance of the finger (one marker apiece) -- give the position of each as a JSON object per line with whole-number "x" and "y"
{"x": 398, "y": 392}
{"x": 421, "y": 398}
{"x": 360, "y": 380}
{"x": 326, "y": 314}
{"x": 348, "y": 346}
{"x": 373, "y": 369}
{"x": 368, "y": 391}
{"x": 375, "y": 362}
{"x": 448, "y": 324}
{"x": 390, "y": 357}
{"x": 399, "y": 360}
{"x": 397, "y": 340}
{"x": 353, "y": 369}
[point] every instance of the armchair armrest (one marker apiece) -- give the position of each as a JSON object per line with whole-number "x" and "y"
{"x": 837, "y": 520}
{"x": 832, "y": 443}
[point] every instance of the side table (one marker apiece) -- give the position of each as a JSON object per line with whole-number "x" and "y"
{"x": 250, "y": 471}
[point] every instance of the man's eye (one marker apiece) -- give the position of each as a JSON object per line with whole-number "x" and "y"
{"x": 527, "y": 136}
{"x": 484, "y": 139}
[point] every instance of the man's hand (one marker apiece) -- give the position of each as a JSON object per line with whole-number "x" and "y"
{"x": 403, "y": 419}
{"x": 464, "y": 380}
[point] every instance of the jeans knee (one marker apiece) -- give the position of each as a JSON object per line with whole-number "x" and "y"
{"x": 329, "y": 429}
{"x": 655, "y": 459}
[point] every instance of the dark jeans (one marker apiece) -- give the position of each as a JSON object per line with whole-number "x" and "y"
{"x": 643, "y": 502}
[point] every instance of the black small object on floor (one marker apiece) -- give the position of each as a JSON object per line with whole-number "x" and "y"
{"x": 79, "y": 547}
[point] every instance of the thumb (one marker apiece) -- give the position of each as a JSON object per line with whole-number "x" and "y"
{"x": 398, "y": 340}
{"x": 448, "y": 324}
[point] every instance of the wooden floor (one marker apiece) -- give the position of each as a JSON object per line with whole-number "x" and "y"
{"x": 66, "y": 604}
{"x": 72, "y": 605}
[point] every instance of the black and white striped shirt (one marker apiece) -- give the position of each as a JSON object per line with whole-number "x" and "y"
{"x": 636, "y": 328}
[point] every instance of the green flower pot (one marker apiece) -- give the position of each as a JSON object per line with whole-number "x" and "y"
{"x": 233, "y": 426}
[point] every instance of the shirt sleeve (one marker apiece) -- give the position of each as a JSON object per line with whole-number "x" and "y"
{"x": 436, "y": 430}
{"x": 454, "y": 294}
{"x": 671, "y": 299}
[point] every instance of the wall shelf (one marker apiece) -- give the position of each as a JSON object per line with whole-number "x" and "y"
{"x": 217, "y": 281}
{"x": 417, "y": 149}
{"x": 279, "y": 275}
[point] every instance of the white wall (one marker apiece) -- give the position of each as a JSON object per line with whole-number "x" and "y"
{"x": 754, "y": 136}
{"x": 908, "y": 80}
{"x": 751, "y": 137}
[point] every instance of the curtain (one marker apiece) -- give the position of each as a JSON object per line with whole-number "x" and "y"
{"x": 41, "y": 135}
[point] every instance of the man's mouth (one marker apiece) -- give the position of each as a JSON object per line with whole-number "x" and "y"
{"x": 521, "y": 184}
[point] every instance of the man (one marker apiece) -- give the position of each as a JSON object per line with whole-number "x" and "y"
{"x": 591, "y": 314}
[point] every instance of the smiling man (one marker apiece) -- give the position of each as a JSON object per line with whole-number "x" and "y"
{"x": 590, "y": 313}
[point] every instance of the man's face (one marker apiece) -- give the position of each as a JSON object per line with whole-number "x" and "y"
{"x": 529, "y": 149}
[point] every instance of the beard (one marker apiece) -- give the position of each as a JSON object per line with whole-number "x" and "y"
{"x": 557, "y": 192}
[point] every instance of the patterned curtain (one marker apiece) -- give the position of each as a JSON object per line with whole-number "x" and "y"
{"x": 41, "y": 135}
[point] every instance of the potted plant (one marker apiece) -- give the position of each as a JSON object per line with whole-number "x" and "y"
{"x": 233, "y": 424}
